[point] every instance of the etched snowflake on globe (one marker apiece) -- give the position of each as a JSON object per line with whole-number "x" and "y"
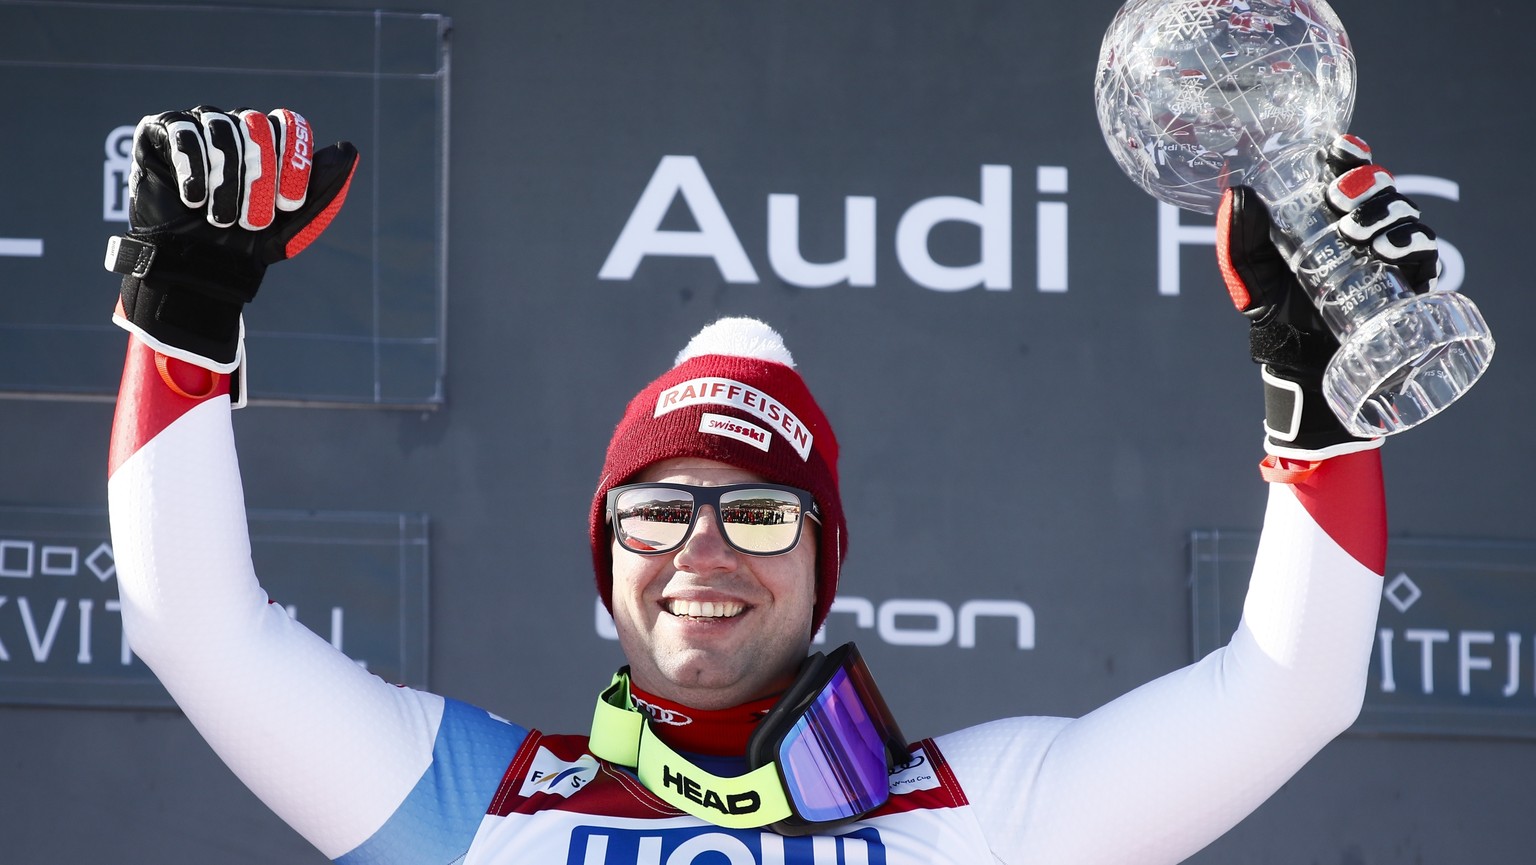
{"x": 1197, "y": 95}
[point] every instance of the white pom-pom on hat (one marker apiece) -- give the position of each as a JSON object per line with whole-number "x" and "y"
{"x": 738, "y": 337}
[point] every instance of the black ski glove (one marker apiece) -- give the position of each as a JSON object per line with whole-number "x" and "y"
{"x": 215, "y": 197}
{"x": 1288, "y": 336}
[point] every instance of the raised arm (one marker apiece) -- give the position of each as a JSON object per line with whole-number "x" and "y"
{"x": 1159, "y": 773}
{"x": 1162, "y": 771}
{"x": 332, "y": 749}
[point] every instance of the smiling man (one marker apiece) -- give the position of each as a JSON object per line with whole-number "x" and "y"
{"x": 711, "y": 624}
{"x": 717, "y": 535}
{"x": 721, "y": 418}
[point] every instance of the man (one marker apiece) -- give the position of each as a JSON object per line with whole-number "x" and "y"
{"x": 717, "y": 538}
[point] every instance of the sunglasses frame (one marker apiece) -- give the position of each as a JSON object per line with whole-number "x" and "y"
{"x": 711, "y": 495}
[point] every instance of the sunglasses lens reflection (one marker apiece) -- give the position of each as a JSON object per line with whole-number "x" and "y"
{"x": 761, "y": 521}
{"x": 653, "y": 520}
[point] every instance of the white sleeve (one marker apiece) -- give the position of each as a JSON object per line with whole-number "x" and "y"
{"x": 329, "y": 747}
{"x": 1154, "y": 776}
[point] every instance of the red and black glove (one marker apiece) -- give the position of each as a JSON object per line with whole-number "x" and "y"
{"x": 1288, "y": 336}
{"x": 215, "y": 197}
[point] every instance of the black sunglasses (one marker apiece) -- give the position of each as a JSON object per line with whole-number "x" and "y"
{"x": 756, "y": 519}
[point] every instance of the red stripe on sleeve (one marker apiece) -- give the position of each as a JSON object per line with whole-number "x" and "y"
{"x": 147, "y": 403}
{"x": 1346, "y": 498}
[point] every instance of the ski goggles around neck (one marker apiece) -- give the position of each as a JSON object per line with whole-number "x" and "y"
{"x": 819, "y": 759}
{"x": 757, "y": 519}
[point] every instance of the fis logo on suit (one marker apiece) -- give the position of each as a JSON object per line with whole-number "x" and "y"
{"x": 708, "y": 845}
{"x": 550, "y": 774}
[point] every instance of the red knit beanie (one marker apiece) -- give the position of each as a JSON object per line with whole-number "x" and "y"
{"x": 732, "y": 396}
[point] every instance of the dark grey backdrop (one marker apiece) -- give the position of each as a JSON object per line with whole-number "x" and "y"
{"x": 1064, "y": 445}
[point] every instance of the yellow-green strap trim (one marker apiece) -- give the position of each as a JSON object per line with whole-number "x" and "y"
{"x": 622, "y": 736}
{"x": 615, "y": 731}
{"x": 744, "y": 802}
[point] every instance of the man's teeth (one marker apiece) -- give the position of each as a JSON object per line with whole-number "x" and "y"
{"x": 705, "y": 609}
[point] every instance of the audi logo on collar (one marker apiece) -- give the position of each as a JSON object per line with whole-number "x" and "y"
{"x": 661, "y": 715}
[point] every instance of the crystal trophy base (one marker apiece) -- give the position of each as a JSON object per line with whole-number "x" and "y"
{"x": 1407, "y": 363}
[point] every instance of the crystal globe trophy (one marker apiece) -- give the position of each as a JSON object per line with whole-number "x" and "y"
{"x": 1194, "y": 96}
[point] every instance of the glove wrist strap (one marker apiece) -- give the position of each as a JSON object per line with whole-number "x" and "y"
{"x": 170, "y": 262}
{"x": 1298, "y": 423}
{"x": 129, "y": 256}
{"x": 183, "y": 298}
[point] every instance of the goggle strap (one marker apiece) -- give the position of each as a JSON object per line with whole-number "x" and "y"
{"x": 621, "y": 736}
{"x": 616, "y": 730}
{"x": 748, "y": 801}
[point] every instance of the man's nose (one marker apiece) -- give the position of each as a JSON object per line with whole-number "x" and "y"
{"x": 705, "y": 548}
